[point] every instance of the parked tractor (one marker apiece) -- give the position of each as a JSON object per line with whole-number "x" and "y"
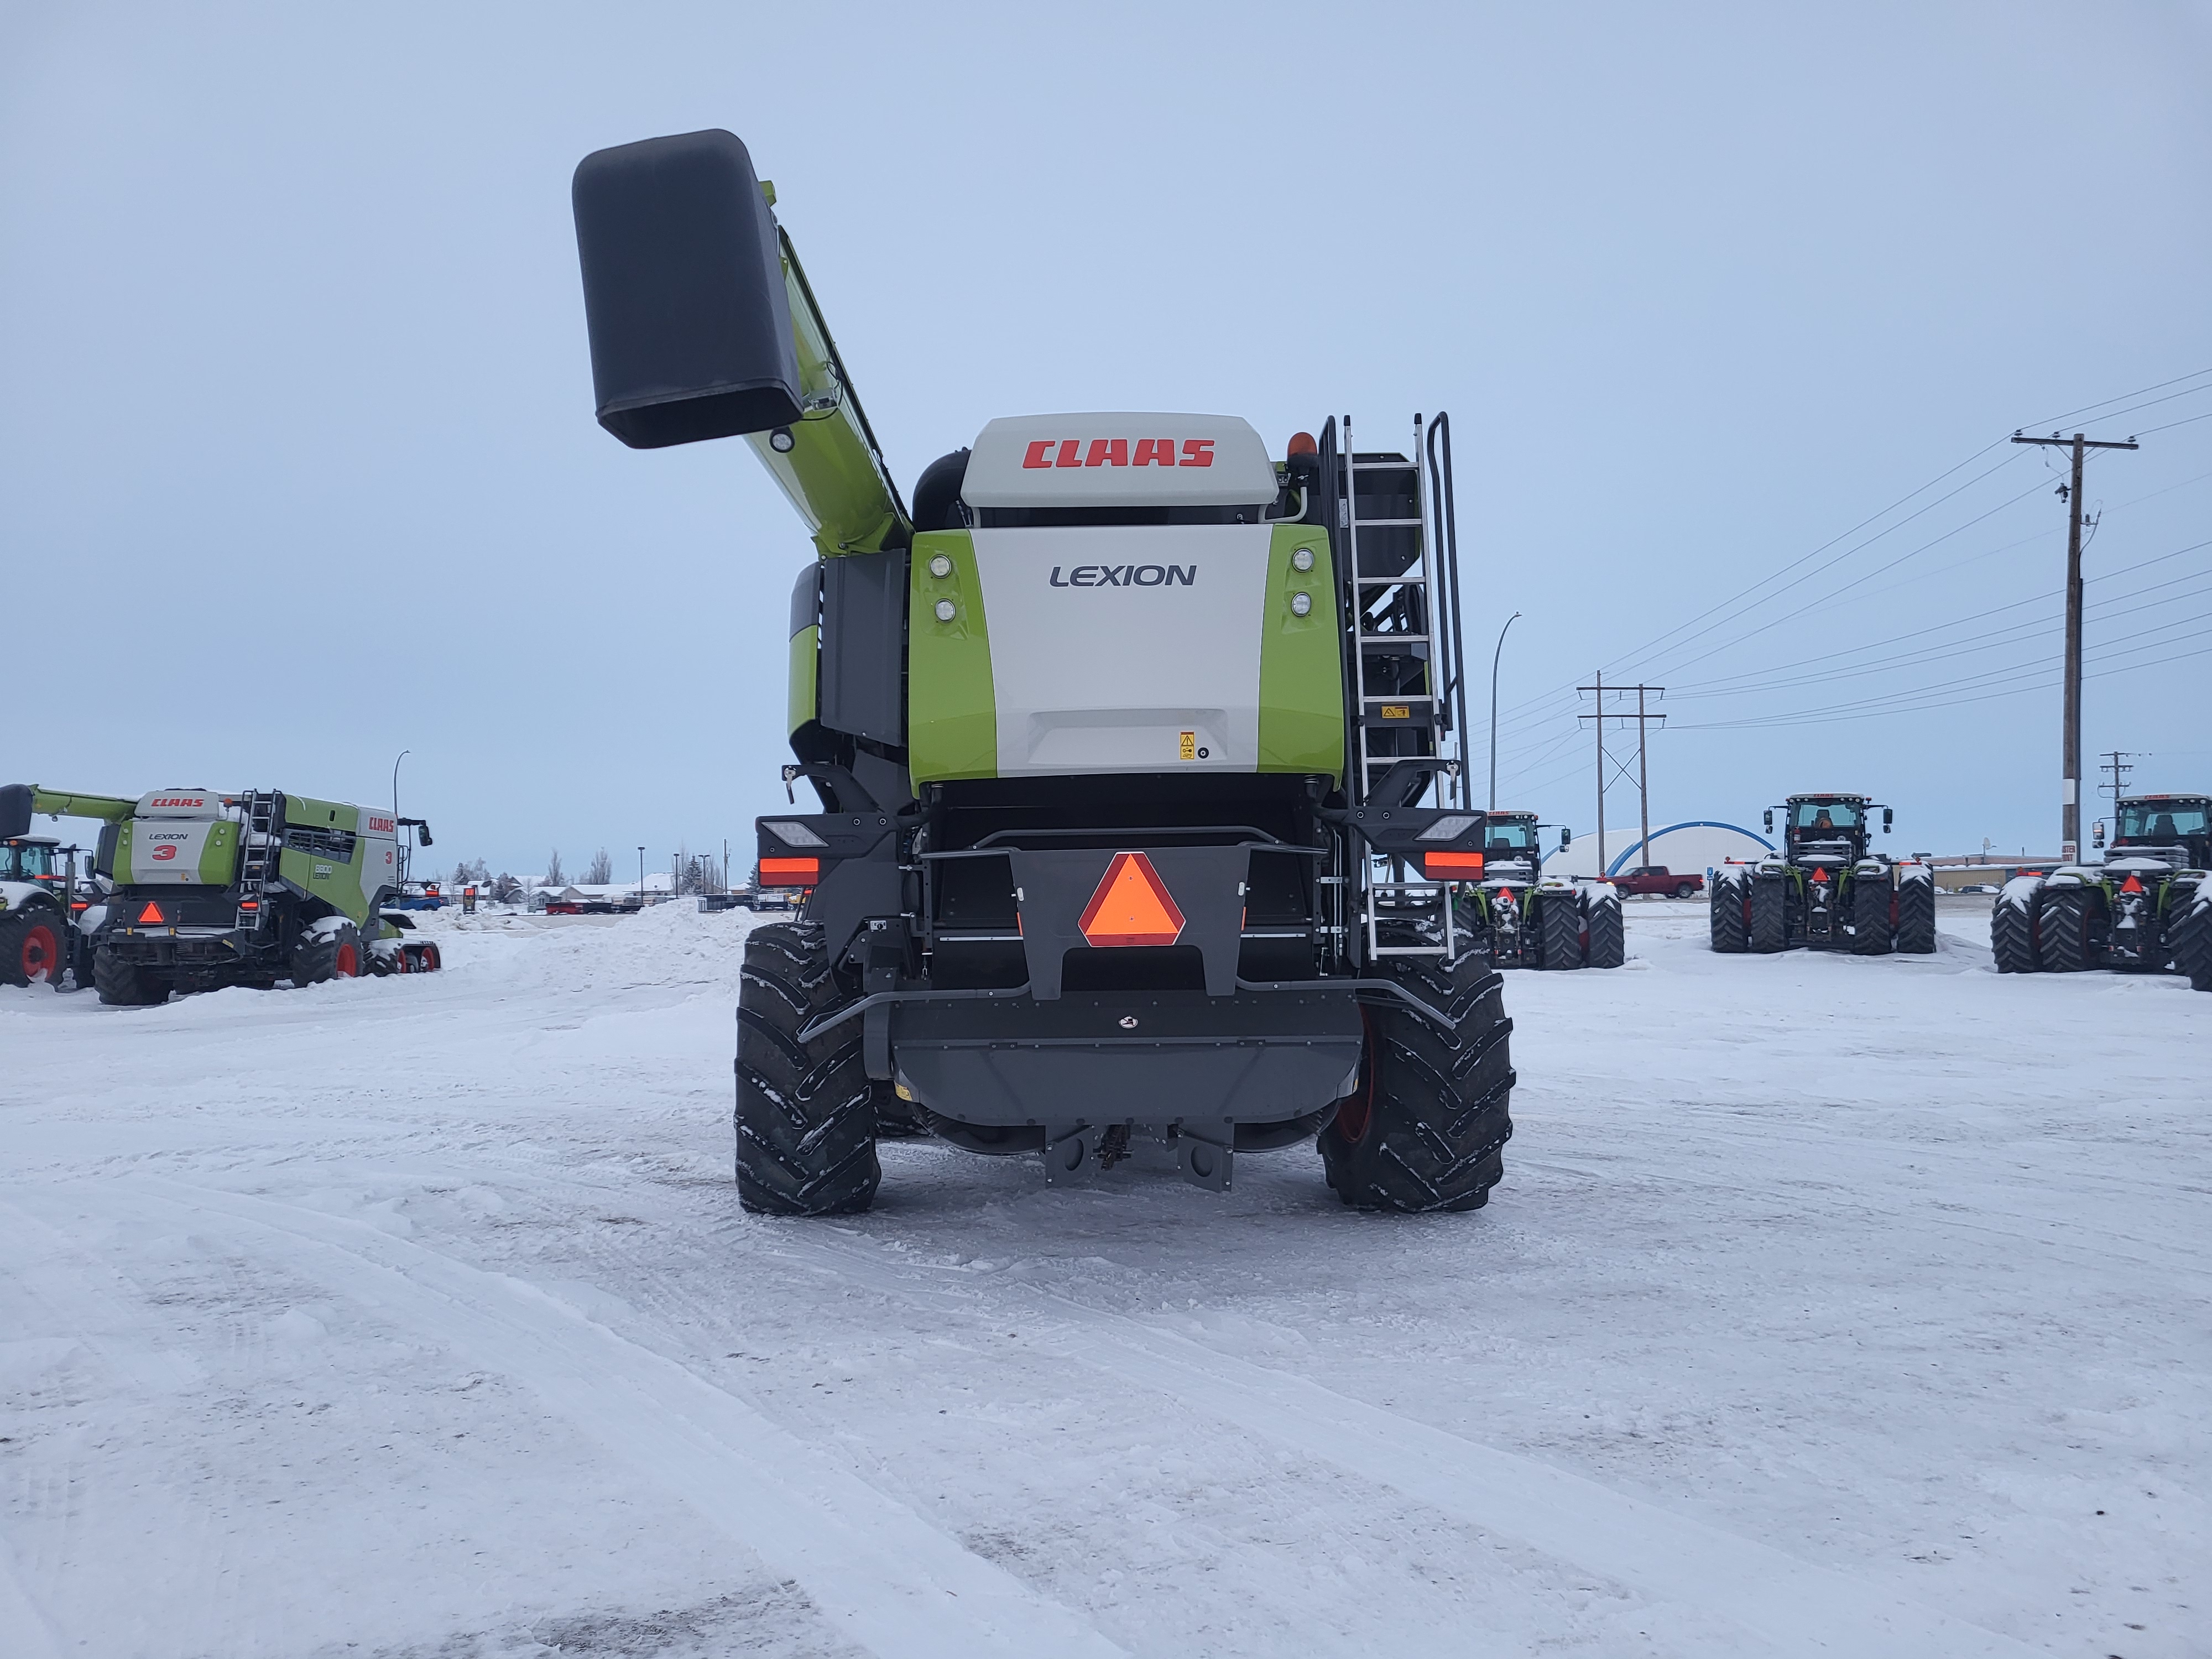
{"x": 1526, "y": 918}
{"x": 46, "y": 912}
{"x": 204, "y": 890}
{"x": 1137, "y": 749}
{"x": 1826, "y": 889}
{"x": 2146, "y": 909}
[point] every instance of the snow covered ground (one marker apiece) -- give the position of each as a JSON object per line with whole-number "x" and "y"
{"x": 1830, "y": 1306}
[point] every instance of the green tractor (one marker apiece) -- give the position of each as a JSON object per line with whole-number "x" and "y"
{"x": 2146, "y": 908}
{"x": 203, "y": 890}
{"x": 46, "y": 911}
{"x": 1526, "y": 918}
{"x": 1137, "y": 748}
{"x": 1826, "y": 889}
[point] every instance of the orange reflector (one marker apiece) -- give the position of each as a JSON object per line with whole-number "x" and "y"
{"x": 2131, "y": 885}
{"x": 1131, "y": 906}
{"x": 1819, "y": 873}
{"x": 790, "y": 872}
{"x": 1452, "y": 866}
{"x": 249, "y": 904}
{"x": 151, "y": 912}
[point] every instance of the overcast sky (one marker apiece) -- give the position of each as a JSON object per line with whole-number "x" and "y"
{"x": 298, "y": 467}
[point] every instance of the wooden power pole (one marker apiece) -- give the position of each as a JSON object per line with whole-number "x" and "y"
{"x": 2070, "y": 761}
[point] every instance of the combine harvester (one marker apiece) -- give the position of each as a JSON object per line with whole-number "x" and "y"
{"x": 1826, "y": 890}
{"x": 1137, "y": 751}
{"x": 2146, "y": 909}
{"x": 205, "y": 890}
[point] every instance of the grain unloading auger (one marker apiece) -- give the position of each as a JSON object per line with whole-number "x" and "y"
{"x": 1138, "y": 751}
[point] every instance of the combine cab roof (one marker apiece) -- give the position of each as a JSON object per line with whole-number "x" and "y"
{"x": 1119, "y": 459}
{"x": 2149, "y": 800}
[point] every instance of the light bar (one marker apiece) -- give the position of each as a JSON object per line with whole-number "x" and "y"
{"x": 1450, "y": 827}
{"x": 792, "y": 833}
{"x": 790, "y": 872}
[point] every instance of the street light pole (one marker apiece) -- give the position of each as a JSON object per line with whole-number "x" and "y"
{"x": 396, "y": 837}
{"x": 1494, "y": 656}
{"x": 640, "y": 878}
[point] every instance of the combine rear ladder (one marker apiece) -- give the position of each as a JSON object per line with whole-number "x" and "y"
{"x": 1409, "y": 696}
{"x": 261, "y": 838}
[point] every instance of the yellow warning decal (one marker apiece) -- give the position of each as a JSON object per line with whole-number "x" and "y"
{"x": 1397, "y": 711}
{"x": 1189, "y": 747}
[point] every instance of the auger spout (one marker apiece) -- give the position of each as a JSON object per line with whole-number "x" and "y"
{"x": 703, "y": 326}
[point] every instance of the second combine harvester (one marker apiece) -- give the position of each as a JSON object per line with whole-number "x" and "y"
{"x": 1135, "y": 747}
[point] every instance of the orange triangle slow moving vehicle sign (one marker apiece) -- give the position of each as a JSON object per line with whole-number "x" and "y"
{"x": 1131, "y": 906}
{"x": 151, "y": 912}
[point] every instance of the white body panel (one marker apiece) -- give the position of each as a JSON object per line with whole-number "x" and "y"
{"x": 1098, "y": 676}
{"x": 1119, "y": 459}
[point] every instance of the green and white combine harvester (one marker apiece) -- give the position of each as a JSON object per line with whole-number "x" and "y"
{"x": 199, "y": 889}
{"x": 1138, "y": 752}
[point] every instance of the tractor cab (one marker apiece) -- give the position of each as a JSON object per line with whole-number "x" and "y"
{"x": 1826, "y": 831}
{"x": 1510, "y": 850}
{"x": 30, "y": 857}
{"x": 2174, "y": 831}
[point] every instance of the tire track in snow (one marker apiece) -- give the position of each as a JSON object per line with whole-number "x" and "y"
{"x": 881, "y": 1574}
{"x": 1795, "y": 1607}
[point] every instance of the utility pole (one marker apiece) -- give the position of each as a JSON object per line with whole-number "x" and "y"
{"x": 1643, "y": 718}
{"x": 2070, "y": 833}
{"x": 2117, "y": 763}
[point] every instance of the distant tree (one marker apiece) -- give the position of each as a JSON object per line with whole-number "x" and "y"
{"x": 601, "y": 870}
{"x": 469, "y": 871}
{"x": 506, "y": 890}
{"x": 702, "y": 874}
{"x": 553, "y": 876}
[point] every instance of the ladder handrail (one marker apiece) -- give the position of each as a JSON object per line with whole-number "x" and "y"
{"x": 1442, "y": 505}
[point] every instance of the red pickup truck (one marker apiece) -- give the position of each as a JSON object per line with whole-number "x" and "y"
{"x": 1658, "y": 879}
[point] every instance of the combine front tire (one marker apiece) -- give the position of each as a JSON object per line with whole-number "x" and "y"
{"x": 1770, "y": 914}
{"x": 1426, "y": 1126}
{"x": 1558, "y": 931}
{"x": 1608, "y": 938}
{"x": 31, "y": 947}
{"x": 124, "y": 985}
{"x": 2066, "y": 931}
{"x": 806, "y": 1111}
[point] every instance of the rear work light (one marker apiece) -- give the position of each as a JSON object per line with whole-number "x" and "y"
{"x": 1452, "y": 866}
{"x": 790, "y": 872}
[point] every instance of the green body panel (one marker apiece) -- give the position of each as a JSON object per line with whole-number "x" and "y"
{"x": 62, "y": 803}
{"x": 831, "y": 474}
{"x": 219, "y": 855}
{"x": 321, "y": 814}
{"x": 338, "y": 884}
{"x": 803, "y": 698}
{"x": 952, "y": 712}
{"x": 1301, "y": 661}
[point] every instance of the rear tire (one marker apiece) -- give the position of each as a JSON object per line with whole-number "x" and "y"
{"x": 2012, "y": 933}
{"x": 1558, "y": 931}
{"x": 1731, "y": 929}
{"x": 2069, "y": 914}
{"x": 1770, "y": 914}
{"x": 2192, "y": 941}
{"x": 31, "y": 946}
{"x": 806, "y": 1115}
{"x": 335, "y": 954}
{"x": 124, "y": 985}
{"x": 1426, "y": 1126}
{"x": 1608, "y": 933}
{"x": 1915, "y": 917}
{"x": 1870, "y": 902}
